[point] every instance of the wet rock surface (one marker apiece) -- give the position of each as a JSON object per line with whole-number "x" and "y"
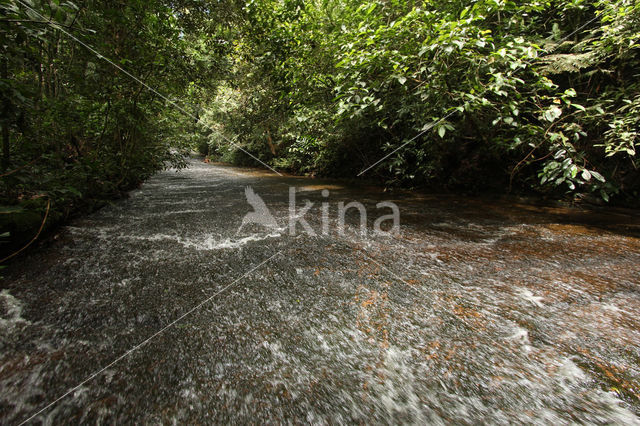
{"x": 476, "y": 311}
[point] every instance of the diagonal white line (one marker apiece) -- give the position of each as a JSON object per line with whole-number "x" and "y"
{"x": 59, "y": 27}
{"x": 452, "y": 112}
{"x": 427, "y": 128}
{"x": 386, "y": 269}
{"x": 157, "y": 333}
{"x": 572, "y": 33}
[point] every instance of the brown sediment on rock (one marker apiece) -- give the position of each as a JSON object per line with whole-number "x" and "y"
{"x": 612, "y": 376}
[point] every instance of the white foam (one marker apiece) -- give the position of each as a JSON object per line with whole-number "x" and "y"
{"x": 521, "y": 336}
{"x": 208, "y": 242}
{"x": 14, "y": 310}
{"x": 530, "y": 297}
{"x": 570, "y": 372}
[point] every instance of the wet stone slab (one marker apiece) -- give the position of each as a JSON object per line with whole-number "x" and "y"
{"x": 477, "y": 311}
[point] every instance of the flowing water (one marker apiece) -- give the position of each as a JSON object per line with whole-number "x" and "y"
{"x": 477, "y": 311}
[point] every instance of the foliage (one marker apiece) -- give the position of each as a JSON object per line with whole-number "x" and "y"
{"x": 499, "y": 95}
{"x": 531, "y": 95}
{"x": 76, "y": 129}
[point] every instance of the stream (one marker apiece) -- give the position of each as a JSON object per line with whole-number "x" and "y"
{"x": 158, "y": 309}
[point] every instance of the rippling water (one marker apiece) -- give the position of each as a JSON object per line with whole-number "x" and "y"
{"x": 477, "y": 311}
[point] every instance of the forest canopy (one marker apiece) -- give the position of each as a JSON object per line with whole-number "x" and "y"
{"x": 487, "y": 95}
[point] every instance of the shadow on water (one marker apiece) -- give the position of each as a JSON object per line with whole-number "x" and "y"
{"x": 508, "y": 210}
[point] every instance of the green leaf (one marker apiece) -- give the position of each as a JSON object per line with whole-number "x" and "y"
{"x": 371, "y": 8}
{"x": 74, "y": 191}
{"x": 574, "y": 170}
{"x": 10, "y": 209}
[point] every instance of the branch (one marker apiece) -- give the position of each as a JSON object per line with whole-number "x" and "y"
{"x": 44, "y": 220}
{"x": 19, "y": 168}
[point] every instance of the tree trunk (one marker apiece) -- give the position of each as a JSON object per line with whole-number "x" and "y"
{"x": 270, "y": 142}
{"x": 6, "y": 108}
